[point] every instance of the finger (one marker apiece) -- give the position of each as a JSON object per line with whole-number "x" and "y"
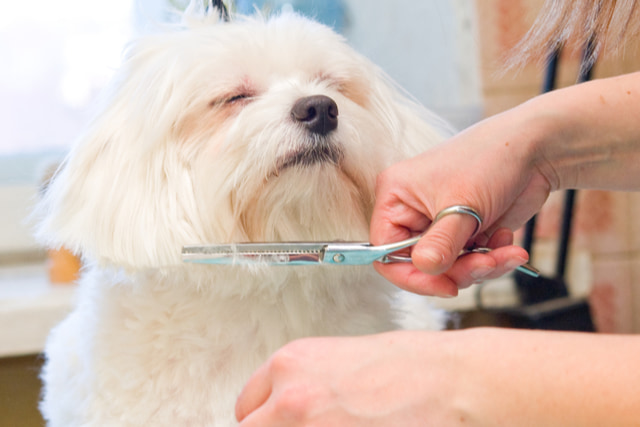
{"x": 397, "y": 214}
{"x": 254, "y": 394}
{"x": 409, "y": 278}
{"x": 395, "y": 221}
{"x": 476, "y": 267}
{"x": 466, "y": 270}
{"x": 263, "y": 416}
{"x": 501, "y": 237}
{"x": 494, "y": 239}
{"x": 436, "y": 252}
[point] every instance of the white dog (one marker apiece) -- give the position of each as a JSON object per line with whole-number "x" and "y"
{"x": 215, "y": 132}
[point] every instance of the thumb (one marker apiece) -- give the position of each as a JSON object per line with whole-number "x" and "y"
{"x": 436, "y": 252}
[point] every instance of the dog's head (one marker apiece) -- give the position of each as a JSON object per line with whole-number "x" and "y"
{"x": 253, "y": 130}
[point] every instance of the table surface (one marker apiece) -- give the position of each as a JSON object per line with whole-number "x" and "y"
{"x": 29, "y": 307}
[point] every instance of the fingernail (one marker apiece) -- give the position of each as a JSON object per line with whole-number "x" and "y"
{"x": 514, "y": 263}
{"x": 451, "y": 294}
{"x": 481, "y": 272}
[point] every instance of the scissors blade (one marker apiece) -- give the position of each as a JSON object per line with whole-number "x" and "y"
{"x": 302, "y": 253}
{"x": 284, "y": 253}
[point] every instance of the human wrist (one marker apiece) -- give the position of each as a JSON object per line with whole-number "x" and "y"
{"x": 464, "y": 364}
{"x": 548, "y": 134}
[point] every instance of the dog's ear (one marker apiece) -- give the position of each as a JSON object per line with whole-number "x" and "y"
{"x": 422, "y": 129}
{"x": 124, "y": 193}
{"x": 409, "y": 128}
{"x": 419, "y": 128}
{"x": 118, "y": 206}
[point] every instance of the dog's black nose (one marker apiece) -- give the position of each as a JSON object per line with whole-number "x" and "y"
{"x": 317, "y": 113}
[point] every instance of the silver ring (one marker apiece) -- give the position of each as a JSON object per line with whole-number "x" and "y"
{"x": 461, "y": 209}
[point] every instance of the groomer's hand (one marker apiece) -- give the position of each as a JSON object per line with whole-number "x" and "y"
{"x": 492, "y": 167}
{"x": 394, "y": 379}
{"x": 425, "y": 378}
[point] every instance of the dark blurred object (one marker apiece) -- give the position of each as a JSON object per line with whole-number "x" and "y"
{"x": 545, "y": 302}
{"x": 222, "y": 9}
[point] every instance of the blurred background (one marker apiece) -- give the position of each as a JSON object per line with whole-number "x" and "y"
{"x": 57, "y": 56}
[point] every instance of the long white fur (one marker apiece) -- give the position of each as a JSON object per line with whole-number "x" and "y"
{"x": 168, "y": 162}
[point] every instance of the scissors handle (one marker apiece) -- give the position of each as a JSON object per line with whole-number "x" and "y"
{"x": 525, "y": 268}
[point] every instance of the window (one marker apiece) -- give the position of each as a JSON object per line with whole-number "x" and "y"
{"x": 60, "y": 55}
{"x": 57, "y": 56}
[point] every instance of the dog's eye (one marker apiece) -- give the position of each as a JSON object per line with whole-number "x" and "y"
{"x": 239, "y": 97}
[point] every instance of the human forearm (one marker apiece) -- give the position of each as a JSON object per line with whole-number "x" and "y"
{"x": 476, "y": 377}
{"x": 534, "y": 378}
{"x": 589, "y": 134}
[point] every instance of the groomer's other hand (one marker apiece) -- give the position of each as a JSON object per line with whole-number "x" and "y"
{"x": 391, "y": 379}
{"x": 491, "y": 167}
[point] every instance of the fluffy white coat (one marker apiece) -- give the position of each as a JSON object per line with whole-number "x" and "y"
{"x": 190, "y": 148}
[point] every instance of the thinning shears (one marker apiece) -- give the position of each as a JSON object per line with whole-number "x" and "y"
{"x": 311, "y": 253}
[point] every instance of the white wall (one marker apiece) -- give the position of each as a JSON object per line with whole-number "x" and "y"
{"x": 429, "y": 47}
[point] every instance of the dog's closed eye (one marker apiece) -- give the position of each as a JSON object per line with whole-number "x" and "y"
{"x": 235, "y": 98}
{"x": 239, "y": 97}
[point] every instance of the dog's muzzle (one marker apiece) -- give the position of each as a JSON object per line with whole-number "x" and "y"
{"x": 318, "y": 115}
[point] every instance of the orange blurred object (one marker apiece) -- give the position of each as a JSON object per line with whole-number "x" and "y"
{"x": 64, "y": 267}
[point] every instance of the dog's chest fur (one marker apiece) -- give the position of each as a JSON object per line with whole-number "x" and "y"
{"x": 181, "y": 353}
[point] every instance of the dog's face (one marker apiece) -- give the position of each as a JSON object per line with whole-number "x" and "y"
{"x": 255, "y": 130}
